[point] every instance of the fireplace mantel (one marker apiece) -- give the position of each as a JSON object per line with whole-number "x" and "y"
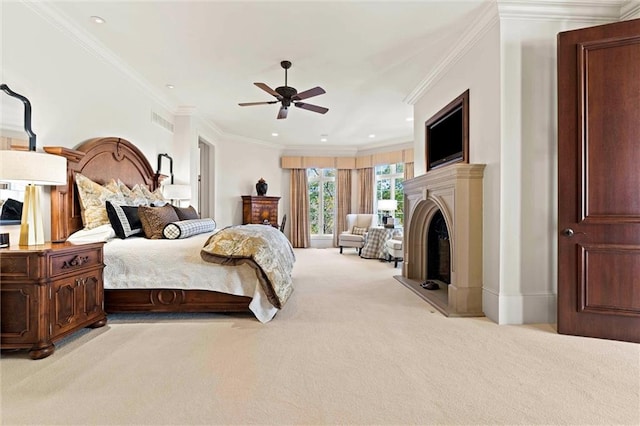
{"x": 455, "y": 190}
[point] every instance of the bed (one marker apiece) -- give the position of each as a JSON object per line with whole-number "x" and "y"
{"x": 234, "y": 288}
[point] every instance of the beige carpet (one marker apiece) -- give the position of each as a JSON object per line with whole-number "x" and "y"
{"x": 352, "y": 346}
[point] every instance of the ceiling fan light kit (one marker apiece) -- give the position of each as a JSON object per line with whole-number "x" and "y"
{"x": 287, "y": 96}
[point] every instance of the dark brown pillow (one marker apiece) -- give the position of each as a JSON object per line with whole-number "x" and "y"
{"x": 154, "y": 219}
{"x": 186, "y": 213}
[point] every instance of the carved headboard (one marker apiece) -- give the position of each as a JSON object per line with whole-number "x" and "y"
{"x": 99, "y": 159}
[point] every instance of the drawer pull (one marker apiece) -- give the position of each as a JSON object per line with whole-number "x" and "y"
{"x": 76, "y": 261}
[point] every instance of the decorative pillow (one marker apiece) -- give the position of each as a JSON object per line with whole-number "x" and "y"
{"x": 186, "y": 213}
{"x": 188, "y": 228}
{"x": 112, "y": 186}
{"x": 124, "y": 219}
{"x": 101, "y": 233}
{"x": 154, "y": 219}
{"x": 152, "y": 196}
{"x": 131, "y": 197}
{"x": 359, "y": 231}
{"x": 93, "y": 198}
{"x": 11, "y": 210}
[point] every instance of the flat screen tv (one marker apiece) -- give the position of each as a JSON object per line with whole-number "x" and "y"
{"x": 447, "y": 134}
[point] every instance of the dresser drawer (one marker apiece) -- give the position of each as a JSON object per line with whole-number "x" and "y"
{"x": 70, "y": 262}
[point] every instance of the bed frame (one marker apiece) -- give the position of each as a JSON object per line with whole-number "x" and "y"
{"x": 102, "y": 159}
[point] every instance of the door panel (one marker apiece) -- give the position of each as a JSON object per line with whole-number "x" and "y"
{"x": 599, "y": 181}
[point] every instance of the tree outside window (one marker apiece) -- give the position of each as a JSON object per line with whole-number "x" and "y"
{"x": 389, "y": 178}
{"x": 321, "y": 200}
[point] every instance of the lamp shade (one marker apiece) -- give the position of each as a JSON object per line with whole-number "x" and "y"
{"x": 387, "y": 205}
{"x": 32, "y": 167}
{"x": 176, "y": 192}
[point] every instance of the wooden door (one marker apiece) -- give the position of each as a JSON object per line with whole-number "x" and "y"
{"x": 599, "y": 181}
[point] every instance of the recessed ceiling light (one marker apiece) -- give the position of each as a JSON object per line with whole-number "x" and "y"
{"x": 274, "y": 134}
{"x": 97, "y": 20}
{"x": 170, "y": 86}
{"x": 372, "y": 136}
{"x": 323, "y": 139}
{"x": 409, "y": 118}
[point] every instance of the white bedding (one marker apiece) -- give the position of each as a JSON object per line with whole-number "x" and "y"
{"x": 140, "y": 263}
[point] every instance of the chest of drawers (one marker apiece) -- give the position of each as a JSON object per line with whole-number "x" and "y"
{"x": 47, "y": 292}
{"x": 260, "y": 209}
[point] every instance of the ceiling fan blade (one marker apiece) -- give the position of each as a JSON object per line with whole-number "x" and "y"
{"x": 308, "y": 93}
{"x": 310, "y": 107}
{"x": 257, "y": 103}
{"x": 268, "y": 90}
{"x": 282, "y": 113}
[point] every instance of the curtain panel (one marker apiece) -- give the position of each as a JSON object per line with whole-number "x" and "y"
{"x": 299, "y": 200}
{"x": 408, "y": 171}
{"x": 366, "y": 179}
{"x": 343, "y": 203}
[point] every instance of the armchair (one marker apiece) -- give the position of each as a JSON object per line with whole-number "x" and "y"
{"x": 360, "y": 221}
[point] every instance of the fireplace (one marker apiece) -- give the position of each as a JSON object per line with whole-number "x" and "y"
{"x": 438, "y": 251}
{"x": 443, "y": 213}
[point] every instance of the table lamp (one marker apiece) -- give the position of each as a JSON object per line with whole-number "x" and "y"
{"x": 176, "y": 192}
{"x": 33, "y": 168}
{"x": 388, "y": 206}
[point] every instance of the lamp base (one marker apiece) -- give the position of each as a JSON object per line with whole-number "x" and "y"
{"x": 31, "y": 227}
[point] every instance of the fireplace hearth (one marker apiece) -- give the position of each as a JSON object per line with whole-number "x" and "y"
{"x": 443, "y": 238}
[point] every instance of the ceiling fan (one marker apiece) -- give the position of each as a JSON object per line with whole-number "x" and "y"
{"x": 287, "y": 95}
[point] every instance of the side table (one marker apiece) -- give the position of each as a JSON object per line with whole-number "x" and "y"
{"x": 47, "y": 292}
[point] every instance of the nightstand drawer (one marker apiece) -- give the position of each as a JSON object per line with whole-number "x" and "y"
{"x": 65, "y": 263}
{"x": 18, "y": 266}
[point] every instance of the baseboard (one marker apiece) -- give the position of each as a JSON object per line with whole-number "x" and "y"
{"x": 520, "y": 309}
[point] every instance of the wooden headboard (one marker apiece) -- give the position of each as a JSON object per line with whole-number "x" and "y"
{"x": 99, "y": 159}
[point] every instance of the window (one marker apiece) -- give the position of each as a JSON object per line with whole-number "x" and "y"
{"x": 322, "y": 190}
{"x": 389, "y": 178}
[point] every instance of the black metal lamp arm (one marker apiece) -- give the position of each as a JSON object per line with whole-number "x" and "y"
{"x": 170, "y": 165}
{"x": 27, "y": 115}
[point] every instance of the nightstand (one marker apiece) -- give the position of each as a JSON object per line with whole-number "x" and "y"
{"x": 47, "y": 292}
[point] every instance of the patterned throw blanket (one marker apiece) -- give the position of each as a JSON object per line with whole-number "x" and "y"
{"x": 262, "y": 247}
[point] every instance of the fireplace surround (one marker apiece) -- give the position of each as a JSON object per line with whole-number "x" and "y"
{"x": 456, "y": 192}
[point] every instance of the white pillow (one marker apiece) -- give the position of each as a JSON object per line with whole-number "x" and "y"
{"x": 100, "y": 233}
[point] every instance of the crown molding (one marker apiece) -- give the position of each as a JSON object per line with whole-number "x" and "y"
{"x": 548, "y": 10}
{"x": 561, "y": 10}
{"x": 630, "y": 10}
{"x": 55, "y": 17}
{"x": 487, "y": 17}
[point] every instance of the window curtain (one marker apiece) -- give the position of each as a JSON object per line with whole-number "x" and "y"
{"x": 408, "y": 171}
{"x": 343, "y": 202}
{"x": 299, "y": 200}
{"x": 367, "y": 187}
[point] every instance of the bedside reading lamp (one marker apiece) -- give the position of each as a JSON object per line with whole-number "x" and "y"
{"x": 32, "y": 168}
{"x": 175, "y": 192}
{"x": 387, "y": 206}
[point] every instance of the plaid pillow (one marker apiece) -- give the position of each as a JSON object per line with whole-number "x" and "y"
{"x": 187, "y": 228}
{"x": 359, "y": 231}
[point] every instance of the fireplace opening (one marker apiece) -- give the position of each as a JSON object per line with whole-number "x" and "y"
{"x": 438, "y": 253}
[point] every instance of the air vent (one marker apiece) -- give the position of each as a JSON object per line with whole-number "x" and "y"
{"x": 161, "y": 121}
